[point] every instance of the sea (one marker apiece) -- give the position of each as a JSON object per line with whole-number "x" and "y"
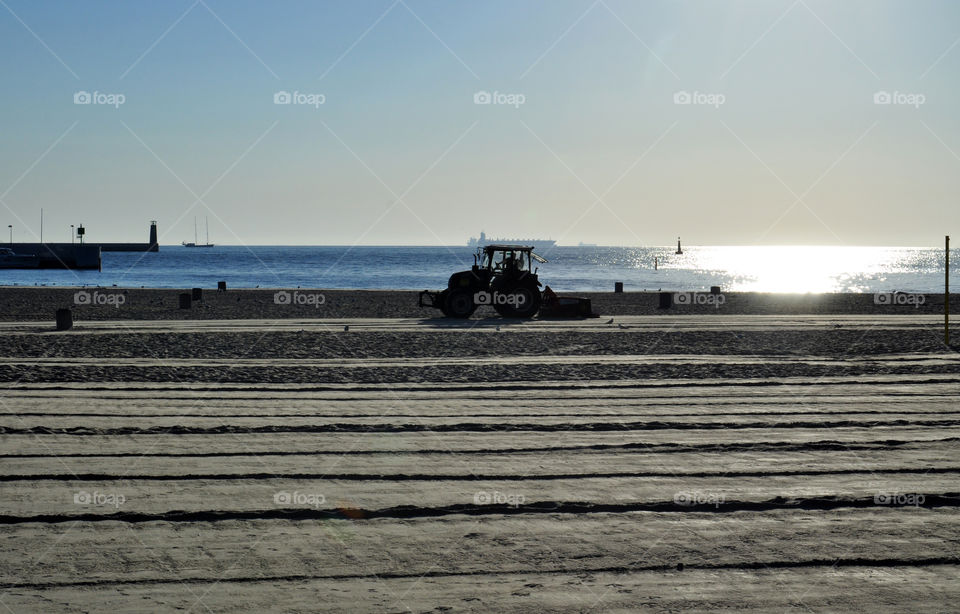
{"x": 789, "y": 269}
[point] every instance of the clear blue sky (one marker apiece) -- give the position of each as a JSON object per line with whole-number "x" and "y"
{"x": 399, "y": 153}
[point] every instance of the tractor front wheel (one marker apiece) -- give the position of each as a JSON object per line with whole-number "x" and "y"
{"x": 459, "y": 304}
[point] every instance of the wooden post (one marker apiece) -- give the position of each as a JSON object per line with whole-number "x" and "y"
{"x": 946, "y": 293}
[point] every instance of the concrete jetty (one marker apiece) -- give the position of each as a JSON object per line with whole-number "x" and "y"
{"x": 80, "y": 255}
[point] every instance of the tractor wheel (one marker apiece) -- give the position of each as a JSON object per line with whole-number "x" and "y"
{"x": 459, "y": 304}
{"x": 525, "y": 308}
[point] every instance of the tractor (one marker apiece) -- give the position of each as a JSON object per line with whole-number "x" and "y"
{"x": 502, "y": 276}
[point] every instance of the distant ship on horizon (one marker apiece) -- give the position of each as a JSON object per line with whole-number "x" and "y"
{"x": 195, "y": 242}
{"x": 483, "y": 240}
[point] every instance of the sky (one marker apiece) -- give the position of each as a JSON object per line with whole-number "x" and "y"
{"x": 423, "y": 122}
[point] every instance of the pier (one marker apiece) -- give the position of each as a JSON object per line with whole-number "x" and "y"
{"x": 83, "y": 256}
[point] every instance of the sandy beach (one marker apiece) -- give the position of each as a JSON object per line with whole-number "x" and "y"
{"x": 779, "y": 453}
{"x": 40, "y": 303}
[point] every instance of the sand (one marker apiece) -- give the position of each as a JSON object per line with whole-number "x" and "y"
{"x": 797, "y": 454}
{"x": 40, "y": 304}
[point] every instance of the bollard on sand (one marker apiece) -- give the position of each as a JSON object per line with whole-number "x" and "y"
{"x": 64, "y": 319}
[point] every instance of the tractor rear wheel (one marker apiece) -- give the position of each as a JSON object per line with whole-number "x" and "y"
{"x": 459, "y": 304}
{"x": 442, "y": 302}
{"x": 525, "y": 302}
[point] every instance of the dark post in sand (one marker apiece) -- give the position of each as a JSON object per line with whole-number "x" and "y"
{"x": 946, "y": 293}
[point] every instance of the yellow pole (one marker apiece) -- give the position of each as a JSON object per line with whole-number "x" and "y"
{"x": 946, "y": 294}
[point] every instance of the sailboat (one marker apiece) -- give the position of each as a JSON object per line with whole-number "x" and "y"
{"x": 195, "y": 244}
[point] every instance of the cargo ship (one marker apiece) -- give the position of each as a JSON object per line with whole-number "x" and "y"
{"x": 483, "y": 240}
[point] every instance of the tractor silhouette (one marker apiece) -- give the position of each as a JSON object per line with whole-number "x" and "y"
{"x": 502, "y": 277}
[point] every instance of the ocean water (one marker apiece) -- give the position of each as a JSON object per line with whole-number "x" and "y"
{"x": 762, "y": 269}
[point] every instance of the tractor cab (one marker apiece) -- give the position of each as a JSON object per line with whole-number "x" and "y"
{"x": 507, "y": 261}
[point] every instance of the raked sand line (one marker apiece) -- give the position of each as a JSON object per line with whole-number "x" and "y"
{"x": 930, "y": 501}
{"x": 704, "y": 322}
{"x": 478, "y": 476}
{"x": 928, "y": 443}
{"x": 570, "y": 462}
{"x": 620, "y": 574}
{"x": 30, "y": 499}
{"x": 935, "y": 383}
{"x": 481, "y": 427}
{"x": 939, "y": 359}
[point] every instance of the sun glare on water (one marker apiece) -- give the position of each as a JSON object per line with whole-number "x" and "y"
{"x": 795, "y": 269}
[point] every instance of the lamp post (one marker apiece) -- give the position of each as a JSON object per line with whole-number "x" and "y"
{"x": 10, "y": 226}
{"x": 71, "y": 234}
